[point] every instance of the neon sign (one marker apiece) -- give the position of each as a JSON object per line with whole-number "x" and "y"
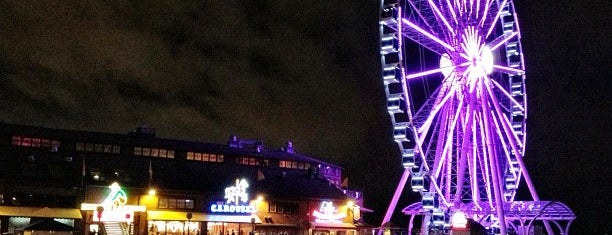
{"x": 236, "y": 200}
{"x": 327, "y": 213}
{"x": 116, "y": 198}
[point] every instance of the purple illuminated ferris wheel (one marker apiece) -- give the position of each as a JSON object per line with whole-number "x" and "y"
{"x": 454, "y": 77}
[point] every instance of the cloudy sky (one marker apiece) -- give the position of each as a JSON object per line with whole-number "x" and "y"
{"x": 305, "y": 71}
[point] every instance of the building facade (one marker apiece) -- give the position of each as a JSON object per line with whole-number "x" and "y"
{"x": 137, "y": 183}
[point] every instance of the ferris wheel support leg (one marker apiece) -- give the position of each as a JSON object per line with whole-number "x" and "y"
{"x": 519, "y": 158}
{"x": 396, "y": 196}
{"x": 495, "y": 170}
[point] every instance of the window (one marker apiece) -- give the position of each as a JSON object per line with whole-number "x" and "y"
{"x": 205, "y": 157}
{"x": 23, "y": 141}
{"x": 251, "y": 161}
{"x": 154, "y": 152}
{"x": 174, "y": 203}
{"x": 163, "y": 203}
{"x": 283, "y": 207}
{"x": 92, "y": 147}
{"x": 293, "y": 165}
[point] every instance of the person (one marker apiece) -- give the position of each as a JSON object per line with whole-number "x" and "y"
{"x": 233, "y": 233}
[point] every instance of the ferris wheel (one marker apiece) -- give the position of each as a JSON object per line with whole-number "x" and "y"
{"x": 454, "y": 77}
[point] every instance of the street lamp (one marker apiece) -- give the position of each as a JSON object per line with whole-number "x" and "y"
{"x": 350, "y": 206}
{"x": 252, "y": 225}
{"x": 189, "y": 216}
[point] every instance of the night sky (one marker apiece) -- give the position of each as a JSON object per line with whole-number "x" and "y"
{"x": 305, "y": 71}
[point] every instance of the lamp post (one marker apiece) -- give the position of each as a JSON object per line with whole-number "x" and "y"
{"x": 189, "y": 216}
{"x": 252, "y": 225}
{"x": 99, "y": 210}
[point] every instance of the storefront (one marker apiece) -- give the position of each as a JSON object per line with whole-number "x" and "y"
{"x": 231, "y": 213}
{"x": 114, "y": 212}
{"x": 14, "y": 217}
{"x": 329, "y": 219}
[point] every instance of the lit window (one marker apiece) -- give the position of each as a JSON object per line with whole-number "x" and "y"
{"x": 116, "y": 149}
{"x": 137, "y": 151}
{"x": 35, "y": 142}
{"x": 16, "y": 140}
{"x": 98, "y": 148}
{"x": 80, "y": 146}
{"x": 89, "y": 147}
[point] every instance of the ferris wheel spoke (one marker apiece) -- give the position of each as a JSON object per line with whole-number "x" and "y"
{"x": 508, "y": 96}
{"x": 512, "y": 137}
{"x": 495, "y": 43}
{"x": 504, "y": 146}
{"x": 434, "y": 112}
{"x": 427, "y": 34}
{"x": 452, "y": 11}
{"x": 485, "y": 12}
{"x": 494, "y": 20}
{"x": 429, "y": 72}
{"x": 483, "y": 157}
{"x": 440, "y": 16}
{"x": 508, "y": 70}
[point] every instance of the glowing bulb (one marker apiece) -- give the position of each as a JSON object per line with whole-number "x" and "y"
{"x": 486, "y": 60}
{"x": 446, "y": 64}
{"x": 458, "y": 220}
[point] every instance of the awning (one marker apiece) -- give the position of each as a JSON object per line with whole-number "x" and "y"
{"x": 48, "y": 225}
{"x": 40, "y": 212}
{"x": 233, "y": 218}
{"x": 175, "y": 215}
{"x": 332, "y": 225}
{"x": 182, "y": 216}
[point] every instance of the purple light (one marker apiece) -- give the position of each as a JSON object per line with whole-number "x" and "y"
{"x": 508, "y": 70}
{"x": 433, "y": 6}
{"x": 496, "y": 18}
{"x": 432, "y": 37}
{"x": 505, "y": 39}
{"x": 425, "y": 73}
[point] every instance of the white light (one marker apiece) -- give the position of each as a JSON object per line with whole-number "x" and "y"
{"x": 446, "y": 64}
{"x": 458, "y": 220}
{"x": 486, "y": 60}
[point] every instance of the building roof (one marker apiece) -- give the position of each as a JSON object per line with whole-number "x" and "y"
{"x": 300, "y": 184}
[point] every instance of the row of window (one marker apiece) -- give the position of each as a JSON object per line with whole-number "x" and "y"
{"x": 98, "y": 148}
{"x": 252, "y": 161}
{"x": 157, "y": 152}
{"x": 153, "y": 152}
{"x": 35, "y": 142}
{"x": 205, "y": 157}
{"x": 293, "y": 165}
{"x": 283, "y": 208}
{"x": 175, "y": 203}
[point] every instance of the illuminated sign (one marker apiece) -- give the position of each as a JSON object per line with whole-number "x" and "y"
{"x": 236, "y": 200}
{"x": 327, "y": 213}
{"x": 116, "y": 198}
{"x": 114, "y": 207}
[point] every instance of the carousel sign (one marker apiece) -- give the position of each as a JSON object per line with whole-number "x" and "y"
{"x": 237, "y": 200}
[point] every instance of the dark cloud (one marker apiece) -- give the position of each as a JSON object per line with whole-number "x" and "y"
{"x": 306, "y": 71}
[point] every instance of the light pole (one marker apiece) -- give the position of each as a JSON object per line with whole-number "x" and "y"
{"x": 189, "y": 216}
{"x": 253, "y": 226}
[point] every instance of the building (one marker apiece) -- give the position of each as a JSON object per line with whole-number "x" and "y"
{"x": 137, "y": 183}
